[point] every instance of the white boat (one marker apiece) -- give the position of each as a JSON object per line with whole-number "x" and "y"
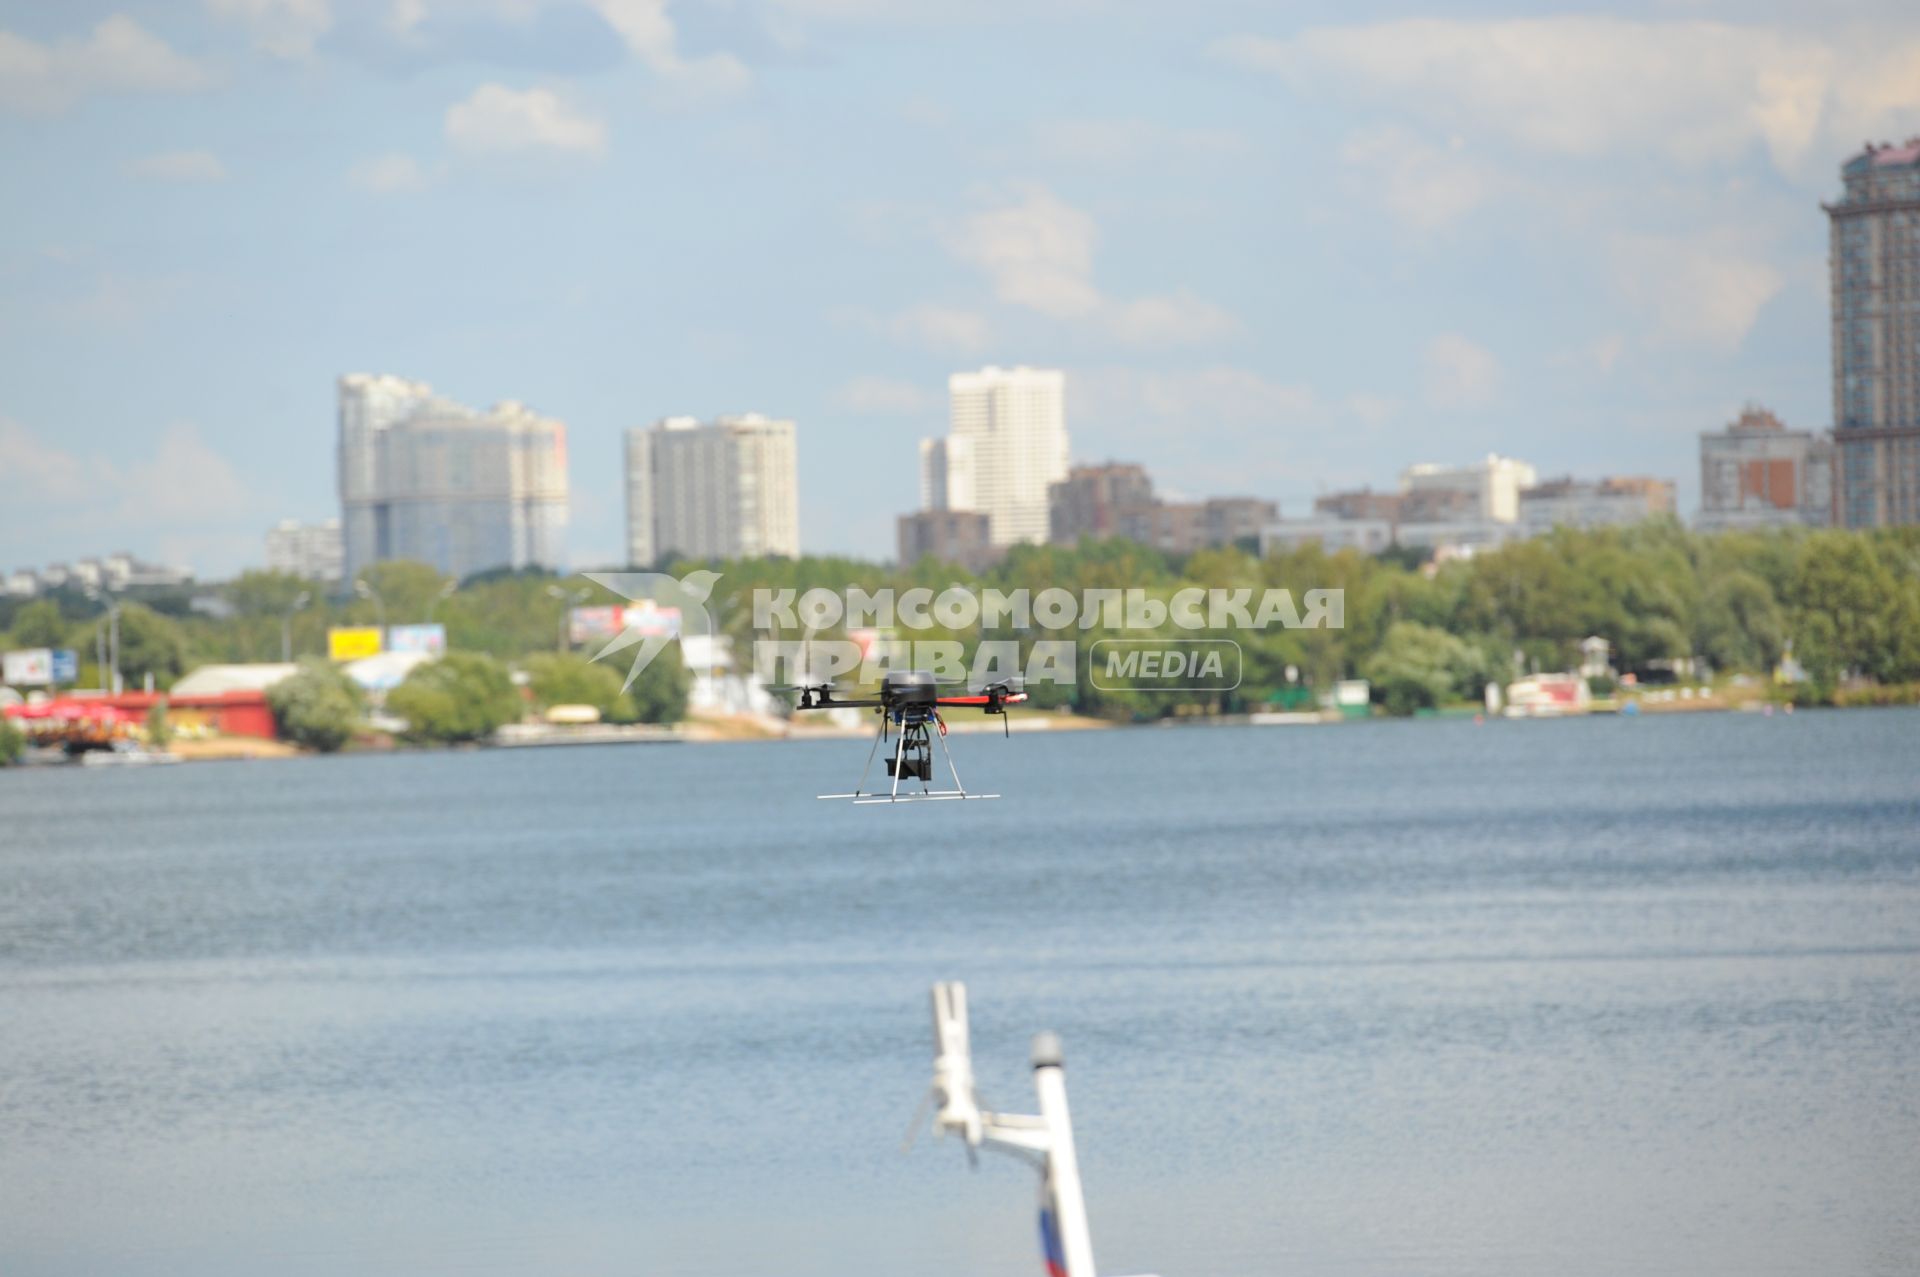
{"x": 118, "y": 757}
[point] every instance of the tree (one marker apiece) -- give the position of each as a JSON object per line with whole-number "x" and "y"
{"x": 463, "y": 696}
{"x": 406, "y": 588}
{"x": 13, "y": 742}
{"x": 1842, "y": 580}
{"x": 1420, "y": 667}
{"x": 316, "y": 708}
{"x": 39, "y": 624}
{"x": 1739, "y": 626}
{"x": 150, "y": 644}
{"x": 659, "y": 695}
{"x": 159, "y": 730}
{"x": 267, "y": 594}
{"x": 565, "y": 678}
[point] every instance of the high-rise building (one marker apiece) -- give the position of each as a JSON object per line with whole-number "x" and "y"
{"x": 1358, "y": 503}
{"x": 960, "y": 537}
{"x": 424, "y": 478}
{"x": 1875, "y": 238}
{"x": 1007, "y": 440}
{"x": 1597, "y": 503}
{"x": 725, "y": 489}
{"x": 1757, "y": 473}
{"x": 310, "y": 550}
{"x": 1117, "y": 500}
{"x": 1092, "y": 500}
{"x": 1493, "y": 484}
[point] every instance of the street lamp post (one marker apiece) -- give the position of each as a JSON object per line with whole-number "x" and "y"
{"x": 109, "y": 649}
{"x": 446, "y": 592}
{"x": 568, "y": 601}
{"x": 286, "y": 625}
{"x": 366, "y": 591}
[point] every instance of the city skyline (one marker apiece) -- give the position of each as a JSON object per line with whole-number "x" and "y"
{"x": 1276, "y": 255}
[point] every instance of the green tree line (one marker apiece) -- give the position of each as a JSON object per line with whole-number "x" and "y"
{"x": 1845, "y": 604}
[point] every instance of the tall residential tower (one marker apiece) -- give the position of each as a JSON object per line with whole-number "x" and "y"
{"x": 424, "y": 478}
{"x": 1007, "y": 441}
{"x": 721, "y": 490}
{"x": 1875, "y": 230}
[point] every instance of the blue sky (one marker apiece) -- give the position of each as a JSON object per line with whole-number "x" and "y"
{"x": 1278, "y": 250}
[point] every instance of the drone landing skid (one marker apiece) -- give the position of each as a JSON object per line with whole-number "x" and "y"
{"x": 912, "y": 760}
{"x": 929, "y": 796}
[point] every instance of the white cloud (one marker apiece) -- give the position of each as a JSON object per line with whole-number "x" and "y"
{"x": 499, "y": 120}
{"x": 1174, "y": 320}
{"x": 649, "y": 32}
{"x": 388, "y": 174}
{"x": 1690, "y": 91}
{"x": 1425, "y": 187}
{"x": 1037, "y": 253}
{"x": 117, "y": 56}
{"x": 644, "y": 26}
{"x": 1371, "y": 409}
{"x": 1122, "y": 143}
{"x": 1705, "y": 289}
{"x": 1214, "y": 429}
{"x": 886, "y": 396}
{"x": 118, "y": 300}
{"x": 182, "y": 492}
{"x": 948, "y": 329}
{"x": 31, "y": 471}
{"x": 1460, "y": 373}
{"x": 403, "y": 16}
{"x": 179, "y": 166}
{"x": 283, "y": 28}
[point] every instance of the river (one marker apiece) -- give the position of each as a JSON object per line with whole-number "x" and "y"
{"x": 1589, "y": 997}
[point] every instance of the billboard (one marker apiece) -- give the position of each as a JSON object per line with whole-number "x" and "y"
{"x": 351, "y": 643}
{"x": 584, "y": 623}
{"x": 29, "y": 667}
{"x": 431, "y": 639}
{"x": 66, "y": 665}
{"x": 652, "y": 620}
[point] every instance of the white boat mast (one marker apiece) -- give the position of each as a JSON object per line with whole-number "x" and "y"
{"x": 1048, "y": 1136}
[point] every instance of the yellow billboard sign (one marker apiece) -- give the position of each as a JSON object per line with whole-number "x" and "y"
{"x": 350, "y": 643}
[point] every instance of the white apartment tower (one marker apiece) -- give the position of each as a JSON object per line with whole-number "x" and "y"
{"x": 1007, "y": 441}
{"x": 725, "y": 489}
{"x": 424, "y": 478}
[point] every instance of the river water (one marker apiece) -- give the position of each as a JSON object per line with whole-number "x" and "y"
{"x": 1599, "y": 997}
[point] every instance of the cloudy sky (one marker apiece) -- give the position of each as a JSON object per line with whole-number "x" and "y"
{"x": 1278, "y": 249}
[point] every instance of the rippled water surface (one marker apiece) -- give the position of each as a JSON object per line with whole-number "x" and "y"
{"x": 1602, "y": 997}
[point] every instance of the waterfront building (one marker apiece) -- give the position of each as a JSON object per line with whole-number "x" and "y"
{"x": 724, "y": 489}
{"x": 311, "y": 550}
{"x": 1092, "y": 501}
{"x": 962, "y": 537}
{"x": 1599, "y": 503}
{"x": 1492, "y": 486}
{"x": 1874, "y": 233}
{"x": 424, "y": 478}
{"x": 1006, "y": 443}
{"x": 1756, "y": 473}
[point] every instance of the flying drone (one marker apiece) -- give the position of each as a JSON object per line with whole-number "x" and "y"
{"x": 910, "y": 701}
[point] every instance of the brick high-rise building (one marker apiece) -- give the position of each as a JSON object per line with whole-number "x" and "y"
{"x": 1875, "y": 230}
{"x": 1757, "y": 473}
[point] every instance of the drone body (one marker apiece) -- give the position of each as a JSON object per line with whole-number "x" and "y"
{"x": 911, "y": 701}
